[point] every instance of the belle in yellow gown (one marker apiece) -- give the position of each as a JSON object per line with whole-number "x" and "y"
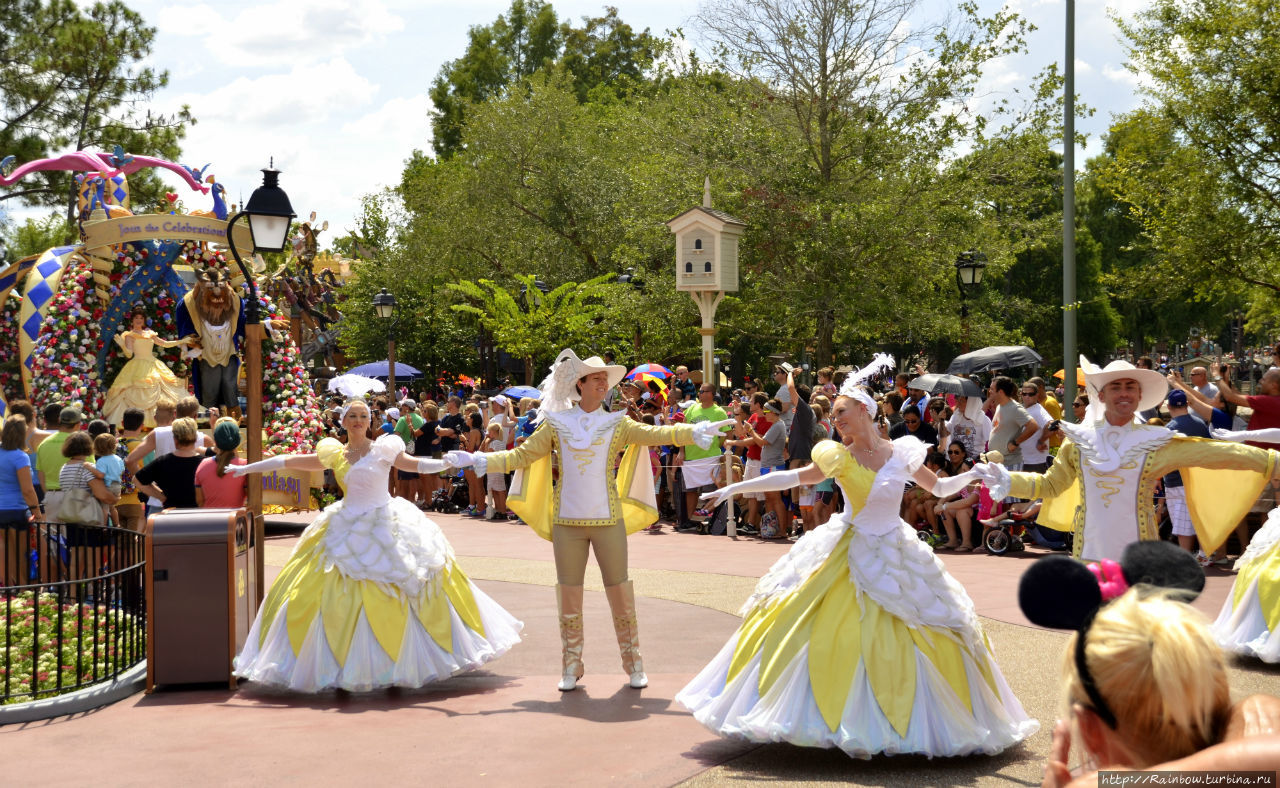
{"x": 858, "y": 638}
{"x": 144, "y": 380}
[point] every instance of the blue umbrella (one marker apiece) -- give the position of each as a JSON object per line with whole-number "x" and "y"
{"x": 379, "y": 369}
{"x": 520, "y": 392}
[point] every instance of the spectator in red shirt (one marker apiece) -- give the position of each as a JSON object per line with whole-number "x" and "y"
{"x": 1265, "y": 404}
{"x": 215, "y": 488}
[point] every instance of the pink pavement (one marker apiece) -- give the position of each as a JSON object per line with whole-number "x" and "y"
{"x": 504, "y": 725}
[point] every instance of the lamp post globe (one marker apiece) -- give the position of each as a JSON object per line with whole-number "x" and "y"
{"x": 269, "y": 213}
{"x": 969, "y": 269}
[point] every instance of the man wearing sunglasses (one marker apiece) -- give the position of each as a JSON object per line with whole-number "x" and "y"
{"x": 1035, "y": 450}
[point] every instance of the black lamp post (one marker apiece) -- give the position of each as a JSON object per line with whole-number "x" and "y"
{"x": 384, "y": 304}
{"x": 628, "y": 277}
{"x": 969, "y": 267}
{"x": 269, "y": 213}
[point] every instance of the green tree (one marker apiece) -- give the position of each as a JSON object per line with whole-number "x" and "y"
{"x": 1209, "y": 200}
{"x": 34, "y": 236}
{"x": 533, "y": 325}
{"x": 604, "y": 57}
{"x": 875, "y": 104}
{"x": 76, "y": 78}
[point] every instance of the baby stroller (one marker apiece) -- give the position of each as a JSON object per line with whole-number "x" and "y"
{"x": 451, "y": 499}
{"x": 1005, "y": 537}
{"x": 925, "y": 534}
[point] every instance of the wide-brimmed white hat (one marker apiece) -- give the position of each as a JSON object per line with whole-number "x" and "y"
{"x": 560, "y": 388}
{"x": 1154, "y": 386}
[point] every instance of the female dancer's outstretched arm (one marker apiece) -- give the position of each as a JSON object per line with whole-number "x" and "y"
{"x": 770, "y": 482}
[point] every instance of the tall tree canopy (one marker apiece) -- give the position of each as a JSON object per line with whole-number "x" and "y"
{"x": 605, "y": 54}
{"x": 1200, "y": 164}
{"x": 75, "y": 76}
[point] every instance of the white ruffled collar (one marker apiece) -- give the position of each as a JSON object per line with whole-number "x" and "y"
{"x": 1095, "y": 442}
{"x": 578, "y": 429}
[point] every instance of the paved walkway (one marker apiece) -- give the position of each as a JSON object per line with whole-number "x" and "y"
{"x": 508, "y": 725}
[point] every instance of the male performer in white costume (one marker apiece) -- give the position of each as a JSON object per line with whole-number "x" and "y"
{"x": 1101, "y": 485}
{"x": 589, "y": 506}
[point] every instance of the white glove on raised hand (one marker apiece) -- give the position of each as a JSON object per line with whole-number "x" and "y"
{"x": 1270, "y": 435}
{"x": 996, "y": 477}
{"x": 466, "y": 459}
{"x": 770, "y": 482}
{"x": 262, "y": 466}
{"x": 705, "y": 432}
{"x": 429, "y": 465}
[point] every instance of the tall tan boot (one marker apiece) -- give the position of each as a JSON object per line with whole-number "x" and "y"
{"x": 569, "y": 602}
{"x": 622, "y": 601}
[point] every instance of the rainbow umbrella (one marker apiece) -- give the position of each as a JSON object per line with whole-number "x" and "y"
{"x": 654, "y": 370}
{"x": 643, "y": 378}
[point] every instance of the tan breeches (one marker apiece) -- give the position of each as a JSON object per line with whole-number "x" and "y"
{"x": 570, "y": 543}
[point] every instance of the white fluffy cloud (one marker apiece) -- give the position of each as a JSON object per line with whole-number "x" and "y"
{"x": 286, "y": 31}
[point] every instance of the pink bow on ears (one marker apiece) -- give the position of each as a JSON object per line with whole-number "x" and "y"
{"x": 1110, "y": 579}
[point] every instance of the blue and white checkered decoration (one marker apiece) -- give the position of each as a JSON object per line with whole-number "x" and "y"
{"x": 41, "y": 285}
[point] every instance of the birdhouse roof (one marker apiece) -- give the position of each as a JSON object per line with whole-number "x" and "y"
{"x": 718, "y": 219}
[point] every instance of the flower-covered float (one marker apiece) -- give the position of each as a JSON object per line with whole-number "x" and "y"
{"x": 63, "y": 309}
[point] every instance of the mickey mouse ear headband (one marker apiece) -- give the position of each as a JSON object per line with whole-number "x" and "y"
{"x": 1058, "y": 592}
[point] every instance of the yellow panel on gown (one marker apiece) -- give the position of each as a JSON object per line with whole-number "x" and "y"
{"x": 372, "y": 595}
{"x": 1249, "y": 622}
{"x": 859, "y": 639}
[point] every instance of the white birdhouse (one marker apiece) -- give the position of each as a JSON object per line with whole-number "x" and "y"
{"x": 707, "y": 247}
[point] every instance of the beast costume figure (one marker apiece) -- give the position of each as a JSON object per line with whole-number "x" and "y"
{"x": 213, "y": 315}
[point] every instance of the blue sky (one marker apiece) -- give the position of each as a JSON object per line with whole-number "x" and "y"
{"x": 336, "y": 90}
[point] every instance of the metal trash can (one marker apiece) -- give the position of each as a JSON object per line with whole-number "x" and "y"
{"x": 202, "y": 593}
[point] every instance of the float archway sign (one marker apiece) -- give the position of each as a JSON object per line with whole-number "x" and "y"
{"x": 61, "y": 309}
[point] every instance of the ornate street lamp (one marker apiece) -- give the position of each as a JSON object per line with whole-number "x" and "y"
{"x": 384, "y": 304}
{"x": 269, "y": 213}
{"x": 628, "y": 277}
{"x": 969, "y": 267}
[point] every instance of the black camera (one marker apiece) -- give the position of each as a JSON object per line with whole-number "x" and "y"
{"x": 1053, "y": 426}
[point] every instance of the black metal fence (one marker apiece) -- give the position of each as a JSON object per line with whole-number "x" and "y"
{"x": 72, "y": 607}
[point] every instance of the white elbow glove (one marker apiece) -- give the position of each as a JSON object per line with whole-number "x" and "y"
{"x": 269, "y": 464}
{"x": 705, "y": 432}
{"x": 996, "y": 477}
{"x": 428, "y": 465}
{"x": 1271, "y": 435}
{"x": 945, "y": 488}
{"x": 465, "y": 459}
{"x": 770, "y": 482}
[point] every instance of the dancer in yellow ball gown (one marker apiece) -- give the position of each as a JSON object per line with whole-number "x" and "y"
{"x": 858, "y": 638}
{"x": 372, "y": 595}
{"x": 144, "y": 380}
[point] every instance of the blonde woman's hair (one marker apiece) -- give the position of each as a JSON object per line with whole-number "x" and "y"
{"x": 1159, "y": 671}
{"x": 164, "y": 405}
{"x": 432, "y": 410}
{"x": 185, "y": 432}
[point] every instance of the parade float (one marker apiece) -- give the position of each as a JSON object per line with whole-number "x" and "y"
{"x": 64, "y": 308}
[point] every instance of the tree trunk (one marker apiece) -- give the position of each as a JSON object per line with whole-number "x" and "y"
{"x": 824, "y": 352}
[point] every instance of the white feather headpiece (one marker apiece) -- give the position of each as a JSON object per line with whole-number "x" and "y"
{"x": 855, "y": 382}
{"x": 560, "y": 388}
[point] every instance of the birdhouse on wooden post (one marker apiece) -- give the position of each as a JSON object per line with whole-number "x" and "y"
{"x": 707, "y": 268}
{"x": 707, "y": 247}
